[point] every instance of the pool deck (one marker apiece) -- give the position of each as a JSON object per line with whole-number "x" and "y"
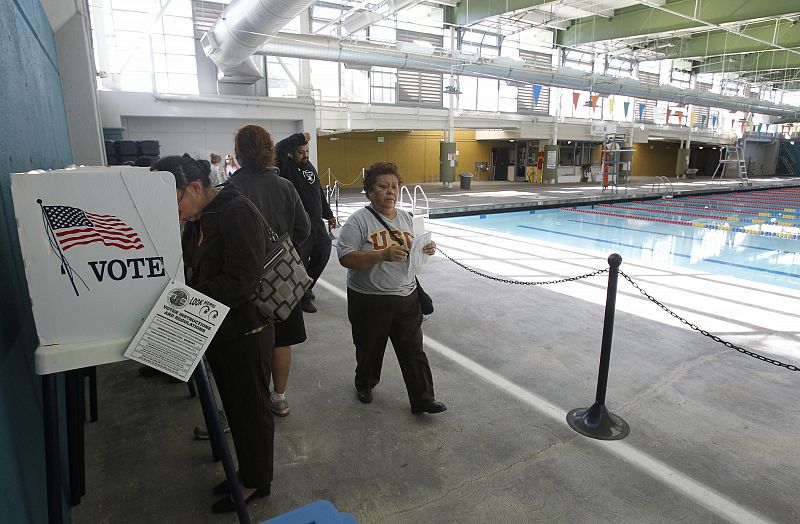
{"x": 501, "y": 196}
{"x": 713, "y": 431}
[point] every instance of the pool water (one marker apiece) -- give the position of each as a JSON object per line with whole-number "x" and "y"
{"x": 752, "y": 236}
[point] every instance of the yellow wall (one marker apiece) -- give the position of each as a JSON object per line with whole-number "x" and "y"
{"x": 658, "y": 161}
{"x": 416, "y": 154}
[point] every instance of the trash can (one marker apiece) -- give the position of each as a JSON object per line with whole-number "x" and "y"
{"x": 466, "y": 180}
{"x": 691, "y": 173}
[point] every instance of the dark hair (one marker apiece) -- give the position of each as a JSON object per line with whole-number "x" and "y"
{"x": 185, "y": 169}
{"x": 215, "y": 157}
{"x": 254, "y": 148}
{"x": 144, "y": 161}
{"x": 377, "y": 169}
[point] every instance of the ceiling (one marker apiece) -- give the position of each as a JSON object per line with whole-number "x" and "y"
{"x": 758, "y": 41}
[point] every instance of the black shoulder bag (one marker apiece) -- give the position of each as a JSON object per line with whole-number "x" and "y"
{"x": 283, "y": 280}
{"x": 425, "y": 300}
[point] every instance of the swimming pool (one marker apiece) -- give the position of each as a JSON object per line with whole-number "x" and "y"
{"x": 753, "y": 236}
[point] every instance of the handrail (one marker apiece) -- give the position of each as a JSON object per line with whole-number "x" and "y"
{"x": 413, "y": 200}
{"x": 669, "y": 191}
{"x": 401, "y": 202}
{"x": 427, "y": 204}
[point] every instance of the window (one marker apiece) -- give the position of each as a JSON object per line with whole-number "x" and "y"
{"x": 383, "y": 85}
{"x": 619, "y": 67}
{"x": 648, "y": 114}
{"x": 525, "y": 96}
{"x": 488, "y": 92}
{"x": 280, "y": 82}
{"x": 579, "y": 60}
{"x": 414, "y": 86}
{"x": 146, "y": 49}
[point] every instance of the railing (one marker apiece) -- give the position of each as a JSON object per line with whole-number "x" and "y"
{"x": 669, "y": 192}
{"x": 333, "y": 193}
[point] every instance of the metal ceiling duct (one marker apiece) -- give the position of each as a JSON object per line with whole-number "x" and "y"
{"x": 244, "y": 26}
{"x": 366, "y": 54}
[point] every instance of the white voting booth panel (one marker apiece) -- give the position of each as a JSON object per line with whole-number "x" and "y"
{"x": 99, "y": 245}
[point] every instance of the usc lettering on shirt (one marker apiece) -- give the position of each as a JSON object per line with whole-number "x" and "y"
{"x": 380, "y": 240}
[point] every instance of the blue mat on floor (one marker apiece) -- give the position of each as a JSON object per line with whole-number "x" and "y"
{"x": 318, "y": 512}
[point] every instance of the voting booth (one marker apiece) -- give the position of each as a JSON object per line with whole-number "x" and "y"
{"x": 102, "y": 257}
{"x": 99, "y": 246}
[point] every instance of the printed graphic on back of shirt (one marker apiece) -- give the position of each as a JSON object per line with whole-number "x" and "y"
{"x": 310, "y": 176}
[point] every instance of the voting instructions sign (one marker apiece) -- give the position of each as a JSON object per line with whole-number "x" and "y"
{"x": 99, "y": 246}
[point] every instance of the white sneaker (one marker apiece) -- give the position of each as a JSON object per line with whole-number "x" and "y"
{"x": 280, "y": 408}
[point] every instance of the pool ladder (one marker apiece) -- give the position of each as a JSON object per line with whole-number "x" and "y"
{"x": 411, "y": 207}
{"x": 669, "y": 192}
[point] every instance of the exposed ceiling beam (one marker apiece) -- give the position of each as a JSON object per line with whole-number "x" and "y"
{"x": 470, "y": 11}
{"x": 784, "y": 33}
{"x": 645, "y": 20}
{"x": 766, "y": 61}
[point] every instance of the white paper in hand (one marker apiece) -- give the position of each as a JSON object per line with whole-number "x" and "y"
{"x": 417, "y": 257}
{"x": 177, "y": 332}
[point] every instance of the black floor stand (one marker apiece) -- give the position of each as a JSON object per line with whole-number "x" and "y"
{"x": 219, "y": 441}
{"x": 597, "y": 421}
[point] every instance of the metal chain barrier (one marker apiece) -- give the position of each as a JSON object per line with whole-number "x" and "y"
{"x": 520, "y": 282}
{"x": 705, "y": 333}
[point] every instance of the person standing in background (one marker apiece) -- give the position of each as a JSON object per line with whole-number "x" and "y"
{"x": 217, "y": 173}
{"x": 280, "y": 205}
{"x": 230, "y": 166}
{"x": 296, "y": 168}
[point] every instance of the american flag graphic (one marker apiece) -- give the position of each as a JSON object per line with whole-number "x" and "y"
{"x": 75, "y": 227}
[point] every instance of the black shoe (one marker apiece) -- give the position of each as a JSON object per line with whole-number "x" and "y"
{"x": 225, "y": 504}
{"x": 311, "y": 295}
{"x": 308, "y": 307}
{"x": 433, "y": 406}
{"x": 222, "y": 488}
{"x": 364, "y": 395}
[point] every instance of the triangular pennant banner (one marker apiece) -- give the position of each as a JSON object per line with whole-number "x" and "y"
{"x": 703, "y": 120}
{"x": 594, "y": 101}
{"x": 714, "y": 121}
{"x": 611, "y": 104}
{"x": 575, "y": 97}
{"x": 641, "y": 111}
{"x": 625, "y": 107}
{"x": 758, "y": 128}
{"x": 669, "y": 113}
{"x": 537, "y": 90}
{"x": 680, "y": 117}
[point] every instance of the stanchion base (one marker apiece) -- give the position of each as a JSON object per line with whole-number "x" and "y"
{"x": 598, "y": 422}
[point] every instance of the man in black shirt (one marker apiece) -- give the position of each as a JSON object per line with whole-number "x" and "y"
{"x": 295, "y": 167}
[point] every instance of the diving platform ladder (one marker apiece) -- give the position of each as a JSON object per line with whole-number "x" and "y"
{"x": 733, "y": 155}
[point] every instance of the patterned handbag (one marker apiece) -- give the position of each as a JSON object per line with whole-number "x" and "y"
{"x": 283, "y": 281}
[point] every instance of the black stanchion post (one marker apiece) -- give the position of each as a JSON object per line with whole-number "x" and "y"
{"x": 215, "y": 431}
{"x": 596, "y": 421}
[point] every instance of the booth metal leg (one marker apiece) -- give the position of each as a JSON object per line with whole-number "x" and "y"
{"x": 73, "y": 385}
{"x": 51, "y": 448}
{"x": 215, "y": 431}
{"x": 91, "y": 373}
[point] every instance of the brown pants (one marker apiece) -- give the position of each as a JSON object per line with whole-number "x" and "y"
{"x": 242, "y": 368}
{"x": 378, "y": 318}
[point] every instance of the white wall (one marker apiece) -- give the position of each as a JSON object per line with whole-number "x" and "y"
{"x": 200, "y": 125}
{"x": 198, "y": 136}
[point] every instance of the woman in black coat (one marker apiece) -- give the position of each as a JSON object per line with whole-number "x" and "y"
{"x": 224, "y": 247}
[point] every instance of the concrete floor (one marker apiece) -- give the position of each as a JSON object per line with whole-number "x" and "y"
{"x": 713, "y": 432}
